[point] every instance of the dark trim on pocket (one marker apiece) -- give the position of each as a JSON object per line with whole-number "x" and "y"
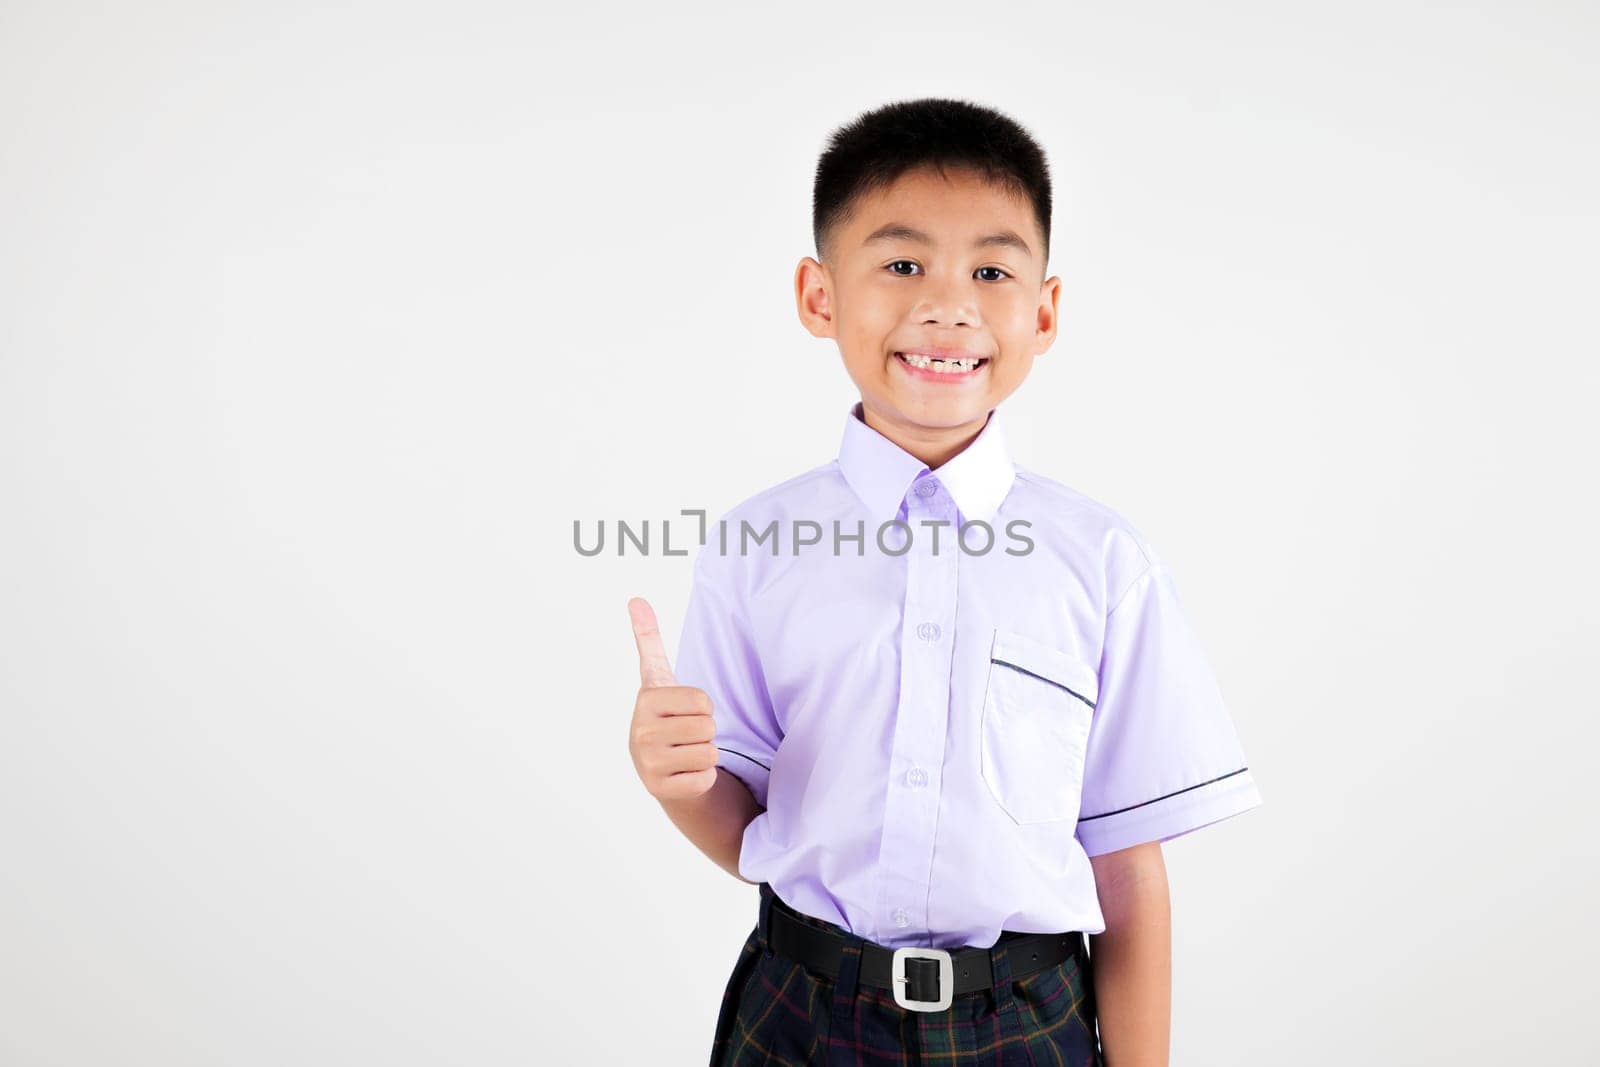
{"x": 752, "y": 759}
{"x": 1042, "y": 678}
{"x": 1143, "y": 803}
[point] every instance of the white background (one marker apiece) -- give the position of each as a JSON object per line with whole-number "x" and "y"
{"x": 319, "y": 328}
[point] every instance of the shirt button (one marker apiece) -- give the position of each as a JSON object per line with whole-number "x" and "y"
{"x": 928, "y": 631}
{"x": 901, "y": 917}
{"x": 927, "y": 488}
{"x": 917, "y": 777}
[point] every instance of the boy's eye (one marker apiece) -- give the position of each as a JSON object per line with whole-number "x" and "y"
{"x": 908, "y": 263}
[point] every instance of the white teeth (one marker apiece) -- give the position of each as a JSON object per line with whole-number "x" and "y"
{"x": 943, "y": 366}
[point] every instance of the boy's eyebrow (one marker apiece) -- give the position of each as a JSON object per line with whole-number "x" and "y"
{"x": 899, "y": 231}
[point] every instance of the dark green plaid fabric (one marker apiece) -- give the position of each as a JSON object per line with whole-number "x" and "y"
{"x": 778, "y": 1012}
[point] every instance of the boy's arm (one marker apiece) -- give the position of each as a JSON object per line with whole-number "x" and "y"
{"x": 1132, "y": 960}
{"x": 671, "y": 740}
{"x": 716, "y": 819}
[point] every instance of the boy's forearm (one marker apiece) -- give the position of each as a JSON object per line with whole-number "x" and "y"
{"x": 1132, "y": 960}
{"x": 715, "y": 821}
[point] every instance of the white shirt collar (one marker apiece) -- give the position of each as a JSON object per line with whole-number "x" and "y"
{"x": 881, "y": 472}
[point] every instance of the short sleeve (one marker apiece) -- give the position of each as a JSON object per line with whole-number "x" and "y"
{"x": 1163, "y": 757}
{"x": 716, "y": 653}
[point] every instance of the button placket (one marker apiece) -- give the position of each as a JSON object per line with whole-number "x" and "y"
{"x": 922, "y": 716}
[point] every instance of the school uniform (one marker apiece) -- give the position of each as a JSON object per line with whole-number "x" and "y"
{"x": 941, "y": 736}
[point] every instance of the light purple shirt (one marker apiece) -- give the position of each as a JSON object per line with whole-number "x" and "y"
{"x": 942, "y": 738}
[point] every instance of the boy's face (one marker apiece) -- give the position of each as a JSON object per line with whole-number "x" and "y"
{"x": 913, "y": 269}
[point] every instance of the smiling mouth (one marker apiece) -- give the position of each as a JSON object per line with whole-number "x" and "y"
{"x": 942, "y": 366}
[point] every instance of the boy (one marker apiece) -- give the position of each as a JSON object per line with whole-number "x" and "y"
{"x": 945, "y": 710}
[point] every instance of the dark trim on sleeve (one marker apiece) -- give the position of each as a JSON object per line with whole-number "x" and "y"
{"x": 752, "y": 759}
{"x": 1141, "y": 804}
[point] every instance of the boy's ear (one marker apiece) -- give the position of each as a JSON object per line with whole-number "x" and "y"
{"x": 813, "y": 297}
{"x": 1049, "y": 314}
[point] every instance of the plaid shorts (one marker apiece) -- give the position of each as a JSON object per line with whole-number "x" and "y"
{"x": 778, "y": 1011}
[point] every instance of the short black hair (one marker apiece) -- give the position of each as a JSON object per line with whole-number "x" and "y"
{"x": 874, "y": 149}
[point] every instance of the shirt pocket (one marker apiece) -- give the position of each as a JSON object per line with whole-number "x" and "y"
{"x": 1037, "y": 705}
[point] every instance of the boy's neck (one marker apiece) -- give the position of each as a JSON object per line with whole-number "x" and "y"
{"x": 934, "y": 446}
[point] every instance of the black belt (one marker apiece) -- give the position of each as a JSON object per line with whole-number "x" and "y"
{"x": 921, "y": 979}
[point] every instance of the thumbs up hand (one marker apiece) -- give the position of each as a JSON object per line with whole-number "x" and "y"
{"x": 672, "y": 731}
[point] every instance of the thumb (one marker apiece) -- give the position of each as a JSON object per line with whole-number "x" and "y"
{"x": 654, "y": 669}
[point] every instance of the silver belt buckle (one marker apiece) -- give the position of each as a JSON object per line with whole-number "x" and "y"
{"x": 947, "y": 978}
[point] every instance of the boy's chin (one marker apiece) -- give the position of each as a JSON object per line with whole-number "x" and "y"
{"x": 938, "y": 413}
